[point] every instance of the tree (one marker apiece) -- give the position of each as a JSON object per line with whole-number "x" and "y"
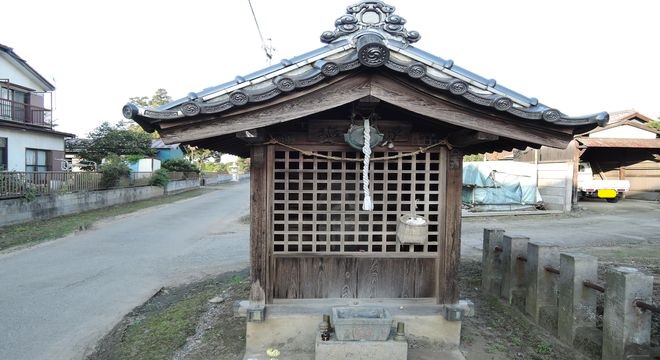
{"x": 160, "y": 97}
{"x": 115, "y": 139}
{"x": 204, "y": 159}
{"x": 179, "y": 165}
{"x": 655, "y": 124}
{"x": 473, "y": 157}
{"x": 243, "y": 165}
{"x": 113, "y": 171}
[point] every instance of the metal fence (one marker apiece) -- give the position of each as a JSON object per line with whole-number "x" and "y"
{"x": 24, "y": 183}
{"x": 20, "y": 183}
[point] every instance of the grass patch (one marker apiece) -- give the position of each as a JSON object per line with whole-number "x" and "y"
{"x": 160, "y": 327}
{"x": 160, "y": 335}
{"x": 625, "y": 253}
{"x": 38, "y": 231}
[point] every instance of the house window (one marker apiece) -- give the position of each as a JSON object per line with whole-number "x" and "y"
{"x": 3, "y": 154}
{"x": 35, "y": 160}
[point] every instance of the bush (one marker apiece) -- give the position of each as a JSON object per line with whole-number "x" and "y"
{"x": 112, "y": 171}
{"x": 132, "y": 159}
{"x": 180, "y": 165}
{"x": 160, "y": 178}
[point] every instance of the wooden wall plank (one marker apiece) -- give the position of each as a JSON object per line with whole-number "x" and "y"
{"x": 328, "y": 277}
{"x": 287, "y": 279}
{"x": 425, "y": 278}
{"x": 385, "y": 278}
{"x": 319, "y": 277}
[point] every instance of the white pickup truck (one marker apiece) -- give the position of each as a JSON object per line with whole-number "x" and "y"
{"x": 610, "y": 190}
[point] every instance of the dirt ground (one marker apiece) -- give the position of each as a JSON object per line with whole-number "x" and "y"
{"x": 496, "y": 332}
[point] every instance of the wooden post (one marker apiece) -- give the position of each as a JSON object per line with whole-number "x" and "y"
{"x": 449, "y": 246}
{"x": 260, "y": 163}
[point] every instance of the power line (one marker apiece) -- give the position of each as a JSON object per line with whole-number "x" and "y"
{"x": 268, "y": 49}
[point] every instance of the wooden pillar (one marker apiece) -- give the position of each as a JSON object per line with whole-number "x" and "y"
{"x": 622, "y": 171}
{"x": 450, "y": 244}
{"x": 573, "y": 146}
{"x": 260, "y": 202}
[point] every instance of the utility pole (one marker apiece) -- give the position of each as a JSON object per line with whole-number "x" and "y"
{"x": 266, "y": 45}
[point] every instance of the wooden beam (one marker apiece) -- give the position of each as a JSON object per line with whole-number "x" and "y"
{"x": 417, "y": 100}
{"x": 285, "y": 109}
{"x": 450, "y": 244}
{"x": 252, "y": 136}
{"x": 464, "y": 138}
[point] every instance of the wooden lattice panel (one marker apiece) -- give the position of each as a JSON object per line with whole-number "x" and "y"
{"x": 317, "y": 202}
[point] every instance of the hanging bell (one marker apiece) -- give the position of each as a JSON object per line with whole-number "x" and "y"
{"x": 355, "y": 137}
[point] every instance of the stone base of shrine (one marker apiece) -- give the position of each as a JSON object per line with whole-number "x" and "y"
{"x": 333, "y": 349}
{"x": 292, "y": 326}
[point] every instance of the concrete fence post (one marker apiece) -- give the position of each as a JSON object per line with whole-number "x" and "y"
{"x": 577, "y": 304}
{"x": 626, "y": 328}
{"x": 491, "y": 262}
{"x": 513, "y": 275}
{"x": 541, "y": 302}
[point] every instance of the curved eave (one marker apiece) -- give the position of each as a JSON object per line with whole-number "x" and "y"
{"x": 341, "y": 56}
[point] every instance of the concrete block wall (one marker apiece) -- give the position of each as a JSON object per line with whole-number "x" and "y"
{"x": 214, "y": 179}
{"x": 175, "y": 186}
{"x": 19, "y": 210}
{"x": 559, "y": 292}
{"x": 16, "y": 211}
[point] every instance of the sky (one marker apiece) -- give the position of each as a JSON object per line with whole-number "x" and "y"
{"x": 578, "y": 56}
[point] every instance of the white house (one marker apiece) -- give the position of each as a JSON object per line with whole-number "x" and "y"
{"x": 27, "y": 139}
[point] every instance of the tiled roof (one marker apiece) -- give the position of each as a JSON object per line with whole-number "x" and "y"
{"x": 10, "y": 52}
{"x": 625, "y": 118}
{"x": 620, "y": 143}
{"x": 370, "y": 35}
{"x": 629, "y": 114}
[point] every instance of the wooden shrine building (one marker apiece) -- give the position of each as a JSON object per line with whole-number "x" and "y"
{"x": 302, "y": 123}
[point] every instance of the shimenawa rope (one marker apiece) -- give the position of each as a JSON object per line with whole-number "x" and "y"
{"x": 367, "y": 205}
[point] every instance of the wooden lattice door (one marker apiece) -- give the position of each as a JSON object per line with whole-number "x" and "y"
{"x": 324, "y": 245}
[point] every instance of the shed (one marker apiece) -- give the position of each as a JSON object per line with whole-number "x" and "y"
{"x": 315, "y": 241}
{"x": 626, "y": 149}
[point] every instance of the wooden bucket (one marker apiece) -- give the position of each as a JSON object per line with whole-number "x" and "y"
{"x": 411, "y": 232}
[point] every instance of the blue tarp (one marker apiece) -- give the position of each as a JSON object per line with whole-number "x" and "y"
{"x": 499, "y": 186}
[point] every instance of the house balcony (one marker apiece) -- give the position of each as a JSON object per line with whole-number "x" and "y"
{"x": 25, "y": 113}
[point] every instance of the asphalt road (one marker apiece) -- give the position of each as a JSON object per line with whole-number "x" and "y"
{"x": 59, "y": 298}
{"x": 595, "y": 223}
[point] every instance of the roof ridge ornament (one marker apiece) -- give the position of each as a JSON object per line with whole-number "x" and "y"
{"x": 370, "y": 15}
